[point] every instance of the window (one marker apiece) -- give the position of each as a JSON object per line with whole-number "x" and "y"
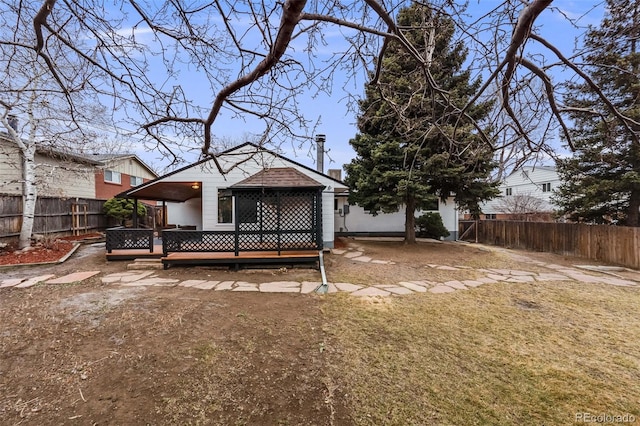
{"x": 136, "y": 180}
{"x": 112, "y": 177}
{"x": 335, "y": 204}
{"x": 490, "y": 216}
{"x": 508, "y": 191}
{"x": 225, "y": 207}
{"x": 546, "y": 187}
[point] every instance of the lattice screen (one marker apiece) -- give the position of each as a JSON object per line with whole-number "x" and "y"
{"x": 279, "y": 220}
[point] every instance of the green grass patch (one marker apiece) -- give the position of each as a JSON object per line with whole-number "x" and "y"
{"x": 499, "y": 354}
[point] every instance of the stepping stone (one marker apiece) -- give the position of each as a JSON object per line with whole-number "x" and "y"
{"x": 225, "y": 285}
{"x": 370, "y": 291}
{"x": 497, "y": 277}
{"x": 380, "y": 262}
{"x": 447, "y": 268}
{"x": 552, "y": 277}
{"x": 439, "y": 289}
{"x": 455, "y": 284}
{"x": 413, "y": 286}
{"x": 245, "y": 286}
{"x": 135, "y": 277}
{"x": 399, "y": 290}
{"x": 522, "y": 273}
{"x": 618, "y": 282}
{"x": 10, "y": 282}
{"x": 363, "y": 259}
{"x": 338, "y": 251}
{"x": 309, "y": 287}
{"x": 487, "y": 280}
{"x": 152, "y": 281}
{"x": 280, "y": 287}
{"x": 207, "y": 285}
{"x": 191, "y": 283}
{"x": 353, "y": 254}
{"x": 33, "y": 281}
{"x": 472, "y": 283}
{"x": 347, "y": 287}
{"x": 521, "y": 279}
{"x": 72, "y": 278}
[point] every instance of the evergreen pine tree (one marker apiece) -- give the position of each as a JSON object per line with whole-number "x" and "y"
{"x": 412, "y": 147}
{"x": 601, "y": 182}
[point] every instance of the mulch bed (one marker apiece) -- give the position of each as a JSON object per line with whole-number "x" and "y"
{"x": 43, "y": 253}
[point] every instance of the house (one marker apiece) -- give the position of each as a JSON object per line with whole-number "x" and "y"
{"x": 118, "y": 173}
{"x": 58, "y": 173}
{"x": 525, "y": 195}
{"x": 63, "y": 174}
{"x": 353, "y": 220}
{"x": 248, "y": 193}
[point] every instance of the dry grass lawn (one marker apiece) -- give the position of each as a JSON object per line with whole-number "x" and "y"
{"x": 499, "y": 354}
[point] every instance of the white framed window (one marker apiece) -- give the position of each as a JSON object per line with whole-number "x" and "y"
{"x": 508, "y": 191}
{"x": 546, "y": 187}
{"x": 136, "y": 180}
{"x": 225, "y": 207}
{"x": 112, "y": 177}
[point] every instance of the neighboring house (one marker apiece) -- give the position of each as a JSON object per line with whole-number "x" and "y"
{"x": 118, "y": 173}
{"x": 66, "y": 175}
{"x": 257, "y": 186}
{"x": 58, "y": 174}
{"x": 524, "y": 195}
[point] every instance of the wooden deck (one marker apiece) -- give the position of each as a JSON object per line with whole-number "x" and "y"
{"x": 244, "y": 258}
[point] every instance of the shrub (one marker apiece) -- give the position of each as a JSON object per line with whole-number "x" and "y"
{"x": 122, "y": 208}
{"x": 430, "y": 225}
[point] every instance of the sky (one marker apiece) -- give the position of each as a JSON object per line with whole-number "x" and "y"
{"x": 338, "y": 124}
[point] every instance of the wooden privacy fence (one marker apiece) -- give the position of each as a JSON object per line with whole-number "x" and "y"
{"x": 53, "y": 215}
{"x": 614, "y": 244}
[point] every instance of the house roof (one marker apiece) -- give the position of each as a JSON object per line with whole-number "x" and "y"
{"x": 145, "y": 190}
{"x": 282, "y": 177}
{"x": 105, "y": 158}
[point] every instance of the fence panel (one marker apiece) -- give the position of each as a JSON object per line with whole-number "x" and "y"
{"x": 52, "y": 215}
{"x": 613, "y": 244}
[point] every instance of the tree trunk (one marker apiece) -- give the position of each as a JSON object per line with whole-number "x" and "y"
{"x": 633, "y": 214}
{"x": 410, "y": 221}
{"x": 29, "y": 195}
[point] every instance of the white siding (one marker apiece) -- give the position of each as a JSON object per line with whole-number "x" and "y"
{"x": 527, "y": 181}
{"x": 360, "y": 221}
{"x": 54, "y": 177}
{"x": 10, "y": 168}
{"x": 130, "y": 166}
{"x": 57, "y": 178}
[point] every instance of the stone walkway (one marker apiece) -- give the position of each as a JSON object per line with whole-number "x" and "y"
{"x": 602, "y": 275}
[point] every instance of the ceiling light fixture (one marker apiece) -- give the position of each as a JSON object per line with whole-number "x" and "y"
{"x": 195, "y": 186}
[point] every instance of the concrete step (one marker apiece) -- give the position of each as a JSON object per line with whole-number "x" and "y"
{"x": 144, "y": 266}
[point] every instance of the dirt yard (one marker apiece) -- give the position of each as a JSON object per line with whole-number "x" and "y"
{"x": 94, "y": 354}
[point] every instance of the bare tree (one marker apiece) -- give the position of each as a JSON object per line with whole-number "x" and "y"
{"x": 521, "y": 206}
{"x": 257, "y": 59}
{"x": 248, "y": 53}
{"x": 43, "y": 105}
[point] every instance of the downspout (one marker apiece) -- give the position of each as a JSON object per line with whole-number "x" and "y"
{"x": 324, "y": 287}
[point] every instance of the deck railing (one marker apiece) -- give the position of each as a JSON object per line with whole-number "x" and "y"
{"x": 237, "y": 241}
{"x": 129, "y": 239}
